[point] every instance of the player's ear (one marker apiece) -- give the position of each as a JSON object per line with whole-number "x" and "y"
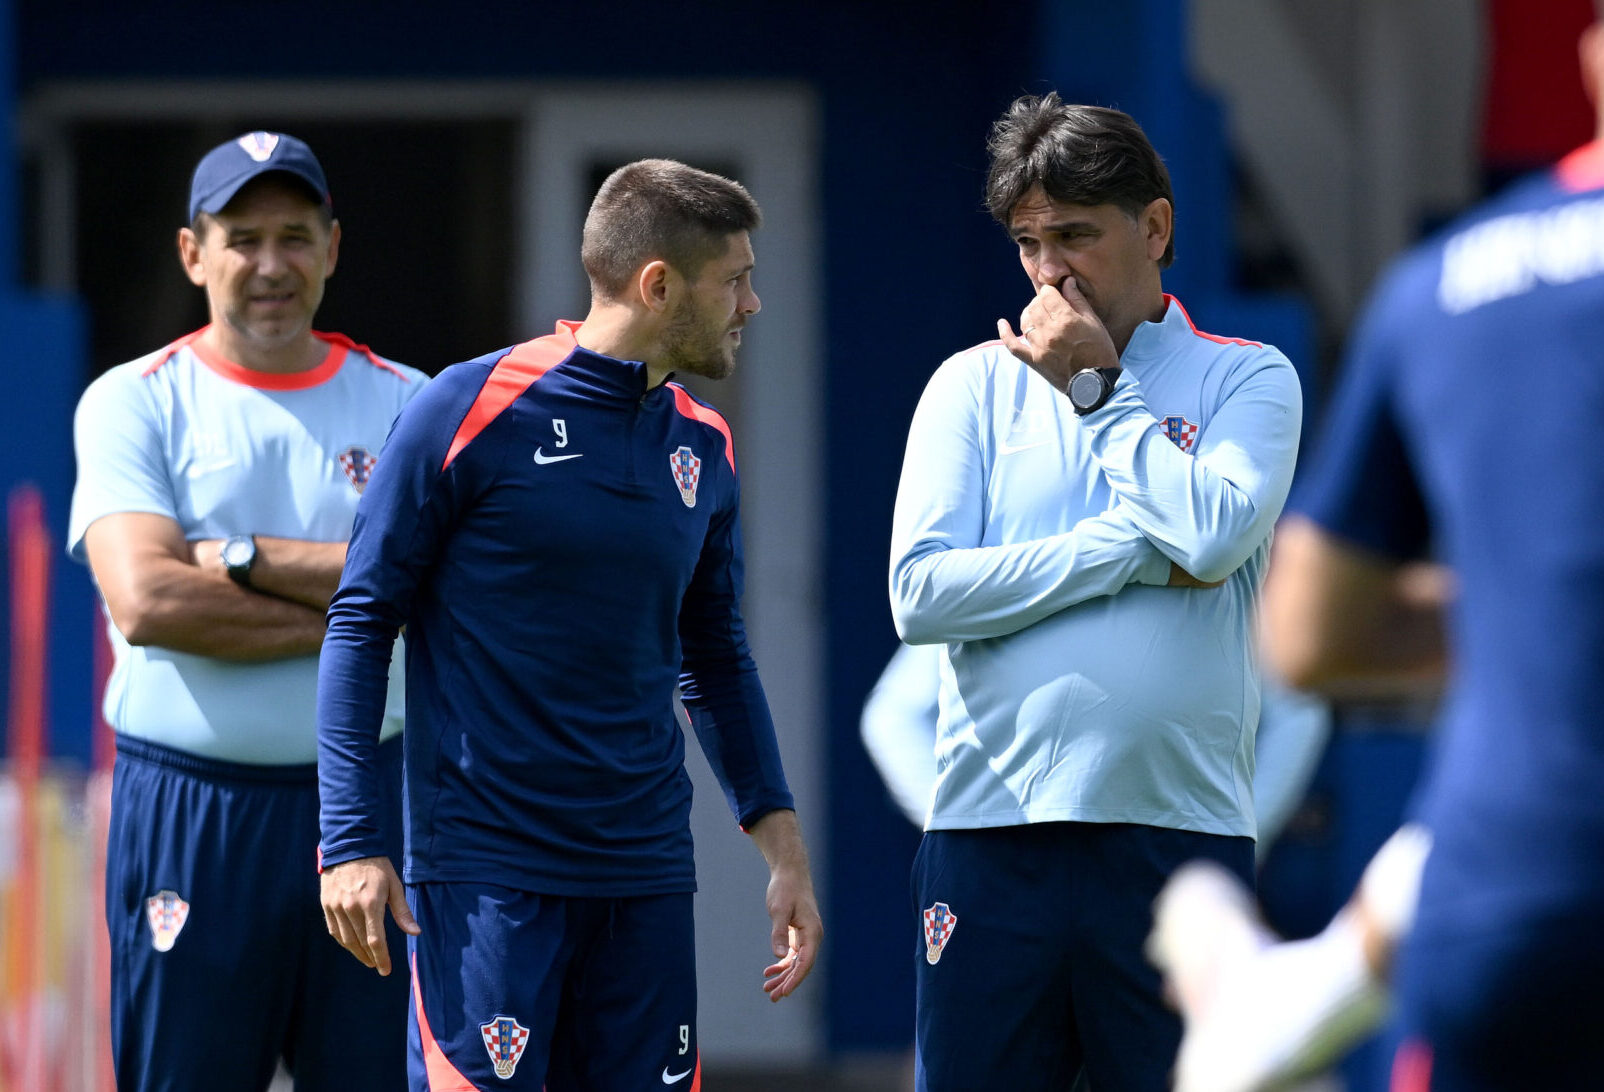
{"x": 190, "y": 255}
{"x": 1157, "y": 222}
{"x": 655, "y": 285}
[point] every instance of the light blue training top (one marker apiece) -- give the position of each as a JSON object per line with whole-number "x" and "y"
{"x": 1036, "y": 545}
{"x": 222, "y": 450}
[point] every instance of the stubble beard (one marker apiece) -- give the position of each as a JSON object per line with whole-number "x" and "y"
{"x": 270, "y": 334}
{"x": 692, "y": 347}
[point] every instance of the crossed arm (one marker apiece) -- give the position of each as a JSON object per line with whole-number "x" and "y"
{"x": 164, "y": 590}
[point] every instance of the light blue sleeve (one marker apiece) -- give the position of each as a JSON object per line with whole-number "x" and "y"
{"x": 898, "y": 726}
{"x": 1293, "y": 730}
{"x": 1209, "y": 511}
{"x": 945, "y": 585}
{"x": 121, "y": 449}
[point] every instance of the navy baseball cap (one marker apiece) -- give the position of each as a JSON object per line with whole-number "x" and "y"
{"x": 227, "y": 167}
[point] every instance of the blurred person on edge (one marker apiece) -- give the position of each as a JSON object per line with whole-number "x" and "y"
{"x": 1458, "y": 434}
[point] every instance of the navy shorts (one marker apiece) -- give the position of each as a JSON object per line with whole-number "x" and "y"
{"x": 1030, "y": 962}
{"x": 514, "y": 990}
{"x": 221, "y": 962}
{"x": 1502, "y": 1005}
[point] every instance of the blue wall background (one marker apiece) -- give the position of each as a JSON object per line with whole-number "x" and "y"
{"x": 912, "y": 269}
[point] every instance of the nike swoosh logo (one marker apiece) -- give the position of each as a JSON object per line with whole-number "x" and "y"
{"x": 543, "y": 459}
{"x": 1014, "y": 449}
{"x": 676, "y": 1078}
{"x": 199, "y": 470}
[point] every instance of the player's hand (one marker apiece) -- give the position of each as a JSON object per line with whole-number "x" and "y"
{"x": 1180, "y": 578}
{"x": 797, "y": 931}
{"x": 355, "y": 894}
{"x": 1059, "y": 335}
{"x": 793, "y": 909}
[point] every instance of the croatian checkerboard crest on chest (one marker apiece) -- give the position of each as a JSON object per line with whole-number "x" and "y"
{"x": 687, "y": 471}
{"x": 358, "y": 465}
{"x": 1180, "y": 432}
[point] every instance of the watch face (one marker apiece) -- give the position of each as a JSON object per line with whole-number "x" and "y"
{"x": 1085, "y": 389}
{"x": 238, "y": 551}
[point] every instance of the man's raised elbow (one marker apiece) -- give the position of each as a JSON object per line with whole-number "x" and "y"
{"x": 138, "y": 620}
{"x": 1213, "y": 566}
{"x": 906, "y": 621}
{"x": 914, "y": 625}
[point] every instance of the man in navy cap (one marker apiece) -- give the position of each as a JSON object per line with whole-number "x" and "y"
{"x": 217, "y": 483}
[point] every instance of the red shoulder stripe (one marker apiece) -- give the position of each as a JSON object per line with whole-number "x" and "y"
{"x": 167, "y": 353}
{"x": 373, "y": 358}
{"x": 1210, "y": 337}
{"x": 511, "y": 376}
{"x": 690, "y": 407}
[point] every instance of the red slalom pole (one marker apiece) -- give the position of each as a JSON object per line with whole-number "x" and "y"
{"x": 29, "y": 542}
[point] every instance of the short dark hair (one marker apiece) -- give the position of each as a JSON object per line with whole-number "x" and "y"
{"x": 1083, "y": 155}
{"x": 661, "y": 209}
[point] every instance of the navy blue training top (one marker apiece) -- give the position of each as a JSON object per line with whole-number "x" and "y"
{"x": 1468, "y": 414}
{"x": 563, "y": 546}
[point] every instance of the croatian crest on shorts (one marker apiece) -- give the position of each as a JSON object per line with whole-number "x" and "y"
{"x": 505, "y": 1039}
{"x": 1181, "y": 432}
{"x": 358, "y": 465}
{"x": 166, "y": 914}
{"x": 687, "y": 471}
{"x": 259, "y": 146}
{"x": 940, "y": 921}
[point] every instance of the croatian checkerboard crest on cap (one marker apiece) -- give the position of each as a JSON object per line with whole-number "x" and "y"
{"x": 940, "y": 921}
{"x": 166, "y": 914}
{"x": 687, "y": 471}
{"x": 259, "y": 146}
{"x": 505, "y": 1039}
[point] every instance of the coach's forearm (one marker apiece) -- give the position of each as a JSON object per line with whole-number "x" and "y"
{"x": 299, "y": 570}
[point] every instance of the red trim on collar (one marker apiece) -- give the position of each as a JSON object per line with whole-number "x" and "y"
{"x": 267, "y": 381}
{"x": 1208, "y": 337}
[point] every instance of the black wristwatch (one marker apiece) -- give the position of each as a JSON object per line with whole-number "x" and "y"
{"x": 239, "y": 554}
{"x": 1089, "y": 388}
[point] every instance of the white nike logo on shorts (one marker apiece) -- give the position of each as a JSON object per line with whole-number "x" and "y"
{"x": 542, "y": 458}
{"x": 676, "y": 1078}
